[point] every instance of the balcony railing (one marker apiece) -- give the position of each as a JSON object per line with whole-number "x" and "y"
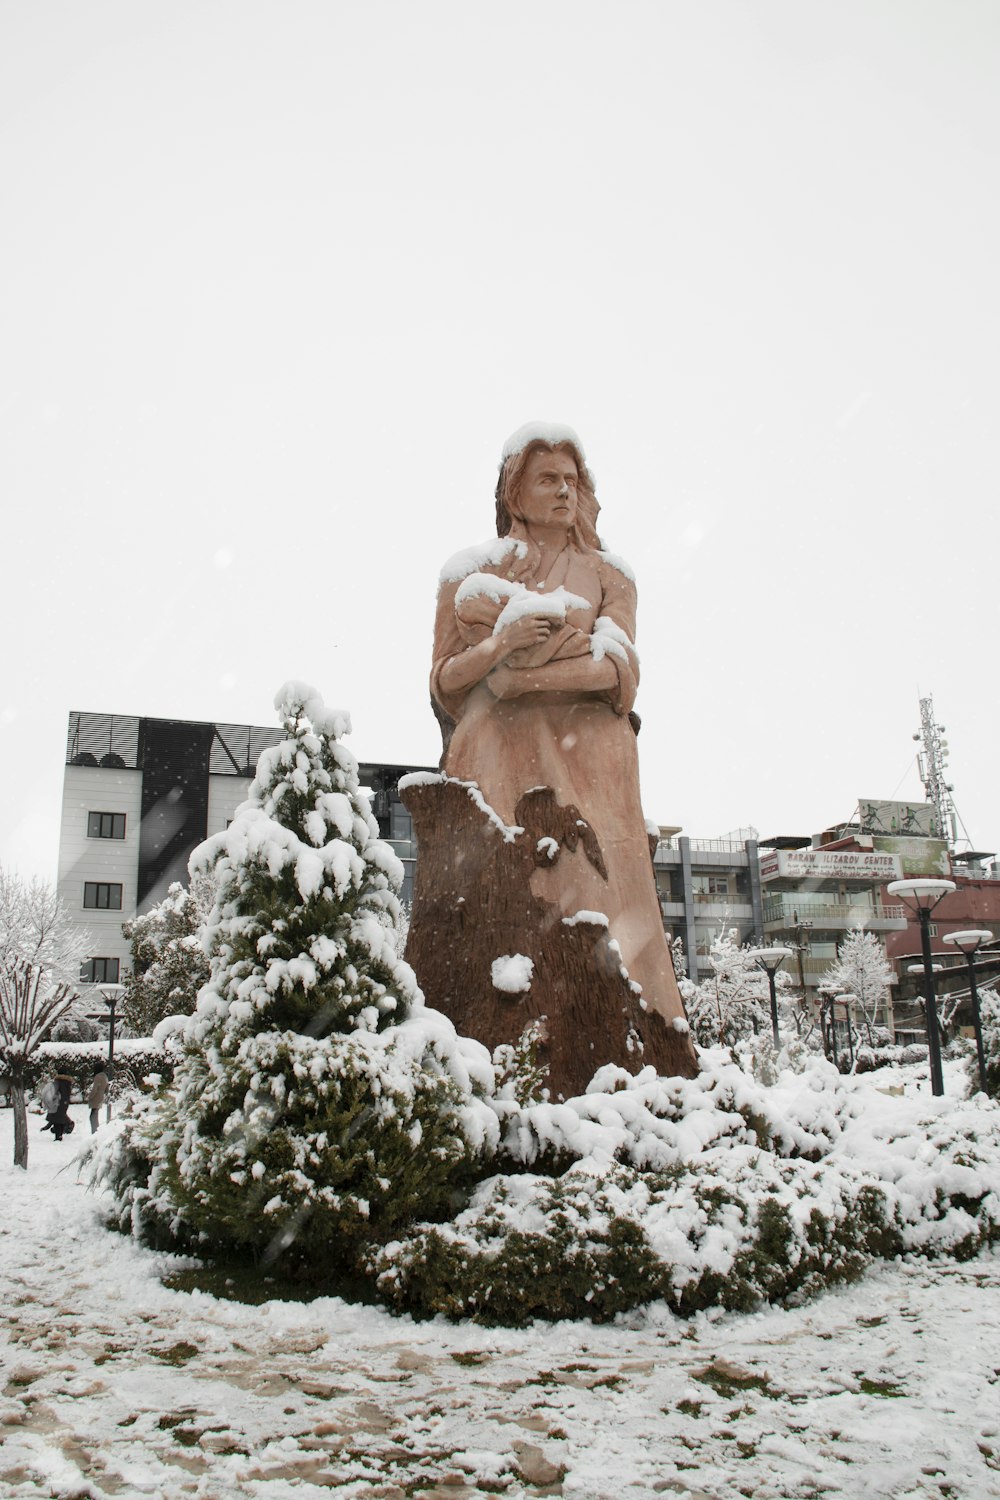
{"x": 708, "y": 846}
{"x": 791, "y": 911}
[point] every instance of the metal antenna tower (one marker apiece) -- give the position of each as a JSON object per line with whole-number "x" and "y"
{"x": 932, "y": 760}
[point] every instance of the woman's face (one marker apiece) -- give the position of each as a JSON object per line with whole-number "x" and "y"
{"x": 549, "y": 490}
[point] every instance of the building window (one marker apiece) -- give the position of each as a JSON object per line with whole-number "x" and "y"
{"x": 102, "y": 895}
{"x": 99, "y": 971}
{"x": 102, "y": 825}
{"x": 711, "y": 888}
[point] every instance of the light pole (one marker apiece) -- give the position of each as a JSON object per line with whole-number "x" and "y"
{"x": 970, "y": 943}
{"x": 110, "y": 994}
{"x": 803, "y": 944}
{"x": 921, "y": 897}
{"x": 829, "y": 994}
{"x": 770, "y": 960}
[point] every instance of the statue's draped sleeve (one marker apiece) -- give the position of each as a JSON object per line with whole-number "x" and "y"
{"x": 448, "y": 643}
{"x": 618, "y": 605}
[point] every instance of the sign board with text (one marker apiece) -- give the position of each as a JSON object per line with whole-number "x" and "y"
{"x": 870, "y": 866}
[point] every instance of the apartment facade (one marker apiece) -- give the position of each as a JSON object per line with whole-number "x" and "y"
{"x": 140, "y": 793}
{"x": 707, "y": 886}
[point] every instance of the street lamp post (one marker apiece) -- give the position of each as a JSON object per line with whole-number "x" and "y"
{"x": 110, "y": 994}
{"x": 848, "y": 1001}
{"x": 970, "y": 943}
{"x": 828, "y": 995}
{"x": 803, "y": 944}
{"x": 921, "y": 897}
{"x": 770, "y": 960}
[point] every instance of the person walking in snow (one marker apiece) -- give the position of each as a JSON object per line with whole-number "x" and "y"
{"x": 98, "y": 1094}
{"x": 48, "y": 1097}
{"x": 60, "y": 1121}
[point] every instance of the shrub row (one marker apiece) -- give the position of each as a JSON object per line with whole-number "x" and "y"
{"x": 135, "y": 1060}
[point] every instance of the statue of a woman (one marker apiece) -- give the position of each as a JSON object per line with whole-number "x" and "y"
{"x": 535, "y": 662}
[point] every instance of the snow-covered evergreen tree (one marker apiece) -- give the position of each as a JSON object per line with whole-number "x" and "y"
{"x": 318, "y": 1104}
{"x": 169, "y": 962}
{"x": 862, "y": 969}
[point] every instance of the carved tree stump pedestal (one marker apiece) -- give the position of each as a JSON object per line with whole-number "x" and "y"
{"x": 474, "y": 904}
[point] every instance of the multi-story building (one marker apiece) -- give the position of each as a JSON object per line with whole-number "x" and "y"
{"x": 706, "y": 887}
{"x": 903, "y": 841}
{"x": 140, "y": 793}
{"x": 815, "y": 893}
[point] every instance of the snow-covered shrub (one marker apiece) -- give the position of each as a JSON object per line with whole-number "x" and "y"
{"x": 867, "y": 1059}
{"x": 519, "y": 1070}
{"x": 74, "y": 1026}
{"x": 726, "y": 1231}
{"x": 709, "y": 1192}
{"x": 989, "y": 1014}
{"x": 135, "y": 1060}
{"x": 317, "y": 1103}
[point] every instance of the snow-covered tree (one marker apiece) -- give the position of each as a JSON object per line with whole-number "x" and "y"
{"x": 862, "y": 969}
{"x": 679, "y": 959}
{"x": 169, "y": 962}
{"x": 734, "y": 1003}
{"x": 989, "y": 1016}
{"x": 36, "y": 929}
{"x": 317, "y": 1104}
{"x": 40, "y": 954}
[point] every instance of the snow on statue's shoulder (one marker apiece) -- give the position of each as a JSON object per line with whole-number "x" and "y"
{"x": 293, "y": 695}
{"x": 474, "y": 559}
{"x": 619, "y": 564}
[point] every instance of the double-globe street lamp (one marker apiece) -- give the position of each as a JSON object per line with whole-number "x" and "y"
{"x": 770, "y": 960}
{"x": 921, "y": 897}
{"x": 970, "y": 943}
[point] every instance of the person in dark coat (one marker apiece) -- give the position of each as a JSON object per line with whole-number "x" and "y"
{"x": 61, "y": 1122}
{"x": 98, "y": 1094}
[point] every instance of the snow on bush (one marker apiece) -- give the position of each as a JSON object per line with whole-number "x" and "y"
{"x": 989, "y": 1015}
{"x": 713, "y": 1191}
{"x": 135, "y": 1059}
{"x": 317, "y": 1102}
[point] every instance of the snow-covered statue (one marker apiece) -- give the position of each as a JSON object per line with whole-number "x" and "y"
{"x": 535, "y": 892}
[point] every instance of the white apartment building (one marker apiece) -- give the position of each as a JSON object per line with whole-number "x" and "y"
{"x": 140, "y": 793}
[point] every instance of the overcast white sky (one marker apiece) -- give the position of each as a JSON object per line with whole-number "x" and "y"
{"x": 277, "y": 280}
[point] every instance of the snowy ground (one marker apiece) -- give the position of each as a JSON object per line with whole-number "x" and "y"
{"x": 114, "y": 1385}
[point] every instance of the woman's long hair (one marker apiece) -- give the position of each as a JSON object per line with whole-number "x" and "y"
{"x": 583, "y": 533}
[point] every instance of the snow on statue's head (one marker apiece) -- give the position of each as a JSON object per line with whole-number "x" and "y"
{"x": 537, "y": 437}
